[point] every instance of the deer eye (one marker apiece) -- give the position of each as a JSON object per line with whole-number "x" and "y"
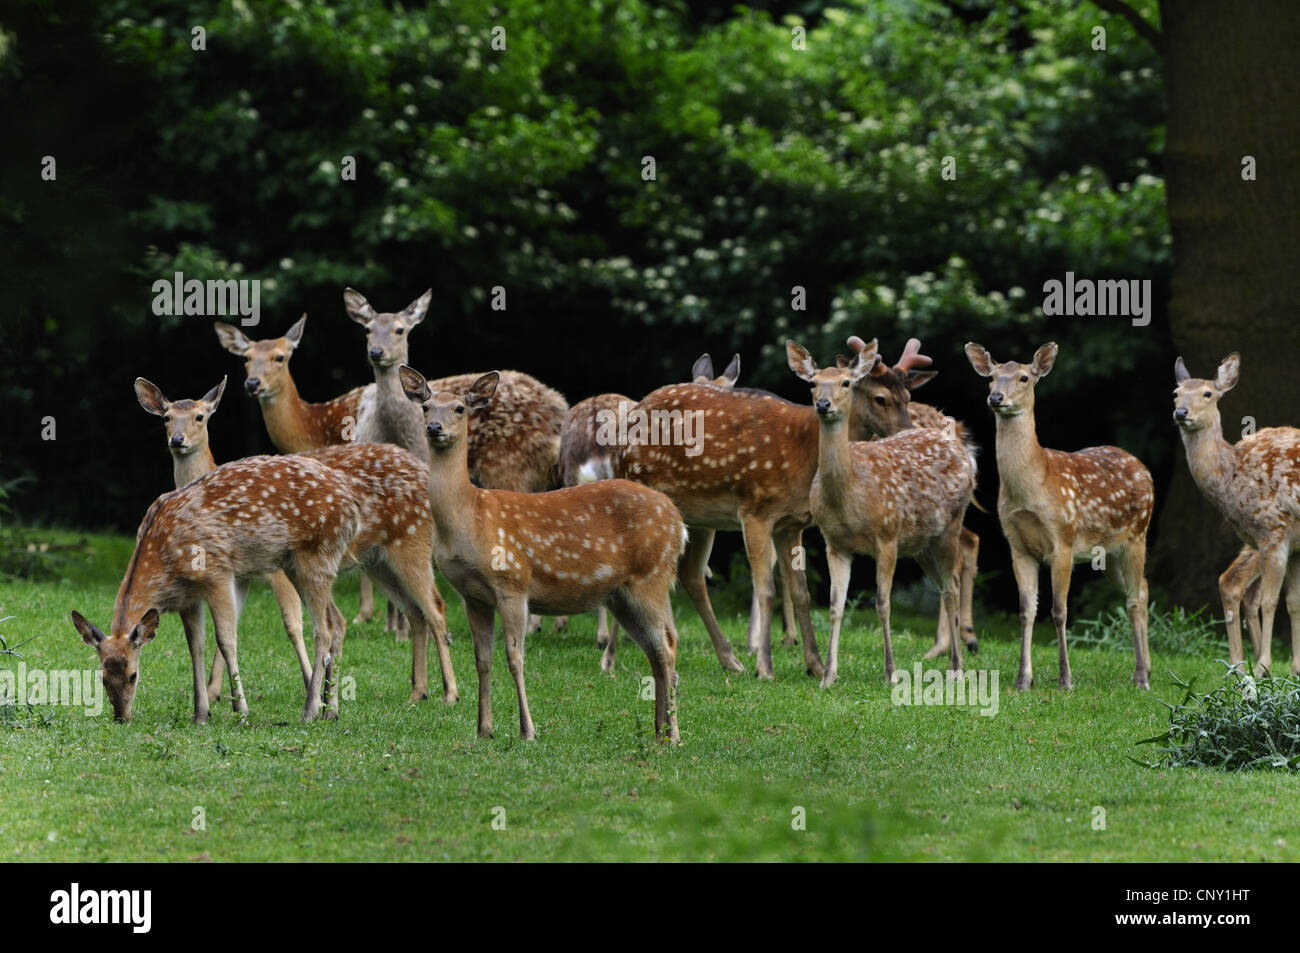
{"x": 460, "y": 408}
{"x": 134, "y": 676}
{"x": 279, "y": 359}
{"x": 846, "y": 384}
{"x": 881, "y": 401}
{"x": 199, "y": 419}
{"x": 1208, "y": 394}
{"x": 1024, "y": 378}
{"x": 398, "y": 332}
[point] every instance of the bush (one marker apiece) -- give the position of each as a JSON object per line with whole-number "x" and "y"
{"x": 1178, "y": 632}
{"x": 1244, "y": 723}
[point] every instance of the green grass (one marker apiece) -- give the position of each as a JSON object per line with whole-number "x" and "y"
{"x": 392, "y": 781}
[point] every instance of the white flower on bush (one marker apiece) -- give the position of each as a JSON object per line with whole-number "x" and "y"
{"x": 1248, "y": 690}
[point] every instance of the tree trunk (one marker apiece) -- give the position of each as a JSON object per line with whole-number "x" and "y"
{"x": 1233, "y": 90}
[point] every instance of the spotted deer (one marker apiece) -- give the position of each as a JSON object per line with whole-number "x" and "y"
{"x": 514, "y": 443}
{"x": 903, "y": 495}
{"x": 753, "y": 472}
{"x": 187, "y": 440}
{"x": 611, "y": 542}
{"x": 1255, "y": 484}
{"x": 884, "y": 407}
{"x": 1057, "y": 507}
{"x": 204, "y": 543}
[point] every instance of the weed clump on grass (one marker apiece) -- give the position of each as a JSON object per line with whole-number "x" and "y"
{"x": 1245, "y": 723}
{"x": 1177, "y": 632}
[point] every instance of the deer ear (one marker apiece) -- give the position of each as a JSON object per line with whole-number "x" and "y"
{"x": 415, "y": 312}
{"x": 294, "y": 334}
{"x": 145, "y": 629}
{"x": 732, "y": 373}
{"x": 213, "y": 397}
{"x": 1180, "y": 371}
{"x": 917, "y": 379}
{"x": 800, "y": 361}
{"x": 1044, "y": 358}
{"x": 480, "y": 392}
{"x": 414, "y": 385}
{"x": 1229, "y": 372}
{"x": 865, "y": 363}
{"x": 150, "y": 397}
{"x": 90, "y": 633}
{"x": 980, "y": 359}
{"x": 702, "y": 369}
{"x": 357, "y": 307}
{"x": 231, "y": 338}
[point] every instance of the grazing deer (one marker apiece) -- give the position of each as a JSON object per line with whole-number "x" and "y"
{"x": 1255, "y": 484}
{"x": 903, "y": 495}
{"x": 611, "y": 542}
{"x": 204, "y": 543}
{"x": 1058, "y": 507}
{"x": 881, "y": 396}
{"x": 187, "y": 439}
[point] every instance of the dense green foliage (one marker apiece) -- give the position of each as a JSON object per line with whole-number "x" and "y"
{"x": 775, "y": 167}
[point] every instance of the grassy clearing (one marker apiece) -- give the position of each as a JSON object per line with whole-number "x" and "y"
{"x": 392, "y": 781}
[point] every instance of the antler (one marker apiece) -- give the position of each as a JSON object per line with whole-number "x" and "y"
{"x": 912, "y": 357}
{"x": 879, "y": 367}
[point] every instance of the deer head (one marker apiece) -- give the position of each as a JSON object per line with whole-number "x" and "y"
{"x": 186, "y": 420}
{"x": 387, "y": 341}
{"x": 119, "y": 657}
{"x": 1196, "y": 401}
{"x": 266, "y": 363}
{"x": 832, "y": 387}
{"x": 446, "y": 415}
{"x": 1011, "y": 385}
{"x": 884, "y": 393}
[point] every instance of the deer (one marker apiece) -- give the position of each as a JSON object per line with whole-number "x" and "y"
{"x": 565, "y": 551}
{"x": 1058, "y": 507}
{"x": 205, "y": 542}
{"x": 903, "y": 495}
{"x": 881, "y": 396}
{"x": 514, "y": 445}
{"x": 187, "y": 439}
{"x": 1255, "y": 484}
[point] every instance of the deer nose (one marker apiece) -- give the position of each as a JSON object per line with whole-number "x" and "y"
{"x": 376, "y": 353}
{"x": 995, "y": 399}
{"x": 178, "y": 440}
{"x": 1180, "y": 413}
{"x": 434, "y": 429}
{"x": 252, "y": 384}
{"x": 823, "y": 405}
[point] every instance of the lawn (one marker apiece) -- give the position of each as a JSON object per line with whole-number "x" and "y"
{"x": 394, "y": 781}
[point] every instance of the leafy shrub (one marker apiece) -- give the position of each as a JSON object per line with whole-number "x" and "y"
{"x": 1244, "y": 723}
{"x": 1177, "y": 632}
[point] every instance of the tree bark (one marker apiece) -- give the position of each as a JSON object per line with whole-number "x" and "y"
{"x": 1232, "y": 80}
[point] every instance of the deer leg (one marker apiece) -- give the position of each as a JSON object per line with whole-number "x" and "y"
{"x": 698, "y": 546}
{"x": 841, "y": 568}
{"x": 483, "y": 634}
{"x": 192, "y": 620}
{"x": 514, "y": 619}
{"x": 1250, "y": 606}
{"x": 602, "y": 627}
{"x": 642, "y": 614}
{"x": 1025, "y": 568}
{"x": 1062, "y": 567}
{"x": 1233, "y": 583}
{"x": 788, "y": 543}
{"x": 1272, "y": 574}
{"x": 366, "y": 610}
{"x": 886, "y": 559}
{"x": 216, "y": 674}
{"x": 1132, "y": 566}
{"x": 970, "y": 553}
{"x": 225, "y": 619}
{"x": 286, "y": 597}
{"x": 407, "y": 579}
{"x": 940, "y": 564}
{"x": 762, "y": 556}
{"x": 333, "y": 678}
{"x": 789, "y": 630}
{"x": 1293, "y": 610}
{"x": 315, "y": 584}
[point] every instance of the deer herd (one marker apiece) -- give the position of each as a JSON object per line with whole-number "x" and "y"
{"x": 522, "y": 506}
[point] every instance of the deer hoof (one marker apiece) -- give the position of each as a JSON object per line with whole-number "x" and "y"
{"x": 730, "y": 663}
{"x": 973, "y": 646}
{"x": 828, "y": 679}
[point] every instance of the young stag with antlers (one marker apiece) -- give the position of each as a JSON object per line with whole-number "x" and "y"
{"x": 882, "y": 394}
{"x": 204, "y": 543}
{"x": 903, "y": 495}
{"x": 566, "y": 551}
{"x": 1058, "y": 507}
{"x": 1255, "y": 484}
{"x": 187, "y": 439}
